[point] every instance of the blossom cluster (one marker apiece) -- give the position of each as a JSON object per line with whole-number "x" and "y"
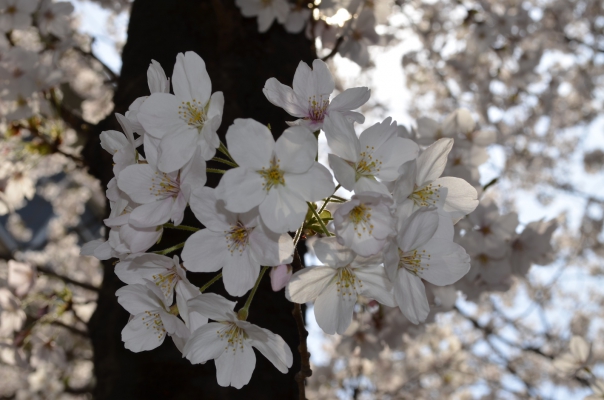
{"x": 394, "y": 233}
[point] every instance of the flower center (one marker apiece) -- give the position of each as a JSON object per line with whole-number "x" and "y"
{"x": 412, "y": 261}
{"x": 237, "y": 237}
{"x": 428, "y": 195}
{"x": 233, "y": 335}
{"x": 368, "y": 166}
{"x": 266, "y": 3}
{"x": 163, "y": 185}
{"x": 153, "y": 321}
{"x": 166, "y": 281}
{"x": 346, "y": 283}
{"x": 273, "y": 176}
{"x": 317, "y": 108}
{"x": 11, "y": 10}
{"x": 361, "y": 215}
{"x": 194, "y": 113}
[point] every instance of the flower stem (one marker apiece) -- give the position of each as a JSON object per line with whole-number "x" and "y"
{"x": 181, "y": 227}
{"x": 224, "y": 161}
{"x": 298, "y": 235}
{"x": 243, "y": 313}
{"x": 223, "y": 149}
{"x": 170, "y": 249}
{"x": 216, "y": 171}
{"x": 318, "y": 217}
{"x": 207, "y": 285}
{"x": 329, "y": 199}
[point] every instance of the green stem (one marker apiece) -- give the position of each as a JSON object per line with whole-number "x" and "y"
{"x": 216, "y": 171}
{"x": 170, "y": 249}
{"x": 181, "y": 227}
{"x": 297, "y": 236}
{"x": 319, "y": 219}
{"x": 227, "y": 162}
{"x": 243, "y": 313}
{"x": 328, "y": 199}
{"x": 223, "y": 149}
{"x": 207, "y": 285}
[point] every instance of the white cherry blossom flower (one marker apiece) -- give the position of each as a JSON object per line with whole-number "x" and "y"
{"x": 336, "y": 286}
{"x": 576, "y": 358}
{"x": 21, "y": 277}
{"x": 229, "y": 342}
{"x": 422, "y": 251}
{"x": 420, "y": 185}
{"x": 121, "y": 145}
{"x": 53, "y": 17}
{"x": 164, "y": 271}
{"x": 12, "y": 316}
{"x": 377, "y": 153}
{"x": 364, "y": 223}
{"x": 186, "y": 120}
{"x": 309, "y": 98}
{"x": 163, "y": 196}
{"x": 237, "y": 243}
{"x": 158, "y": 83}
{"x": 17, "y": 14}
{"x": 363, "y": 34}
{"x": 279, "y": 177}
{"x": 298, "y": 17}
{"x": 266, "y": 10}
{"x": 280, "y": 275}
{"x": 151, "y": 320}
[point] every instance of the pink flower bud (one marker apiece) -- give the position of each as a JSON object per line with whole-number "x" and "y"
{"x": 280, "y": 275}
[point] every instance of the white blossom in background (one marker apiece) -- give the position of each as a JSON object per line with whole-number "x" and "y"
{"x": 576, "y": 358}
{"x": 187, "y": 120}
{"x": 309, "y": 98}
{"x": 12, "y": 316}
{"x": 229, "y": 342}
{"x": 54, "y": 18}
{"x": 335, "y": 287}
{"x": 237, "y": 243}
{"x": 278, "y": 177}
{"x": 266, "y": 11}
{"x": 377, "y": 153}
{"x": 21, "y": 277}
{"x": 297, "y": 18}
{"x": 16, "y": 14}
{"x": 356, "y": 42}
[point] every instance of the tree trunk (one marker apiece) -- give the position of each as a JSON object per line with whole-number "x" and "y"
{"x": 239, "y": 60}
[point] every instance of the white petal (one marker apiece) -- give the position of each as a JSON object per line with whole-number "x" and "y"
{"x": 271, "y": 248}
{"x": 190, "y": 80}
{"x": 350, "y": 99}
{"x": 241, "y": 189}
{"x": 410, "y": 296}
{"x": 284, "y": 97}
{"x": 416, "y": 230}
{"x": 210, "y": 211}
{"x": 205, "y": 251}
{"x": 272, "y": 346}
{"x": 239, "y": 272}
{"x": 344, "y": 172}
{"x": 579, "y": 348}
{"x": 333, "y": 310}
{"x": 204, "y": 344}
{"x": 250, "y": 144}
{"x": 461, "y": 198}
{"x": 331, "y": 253}
{"x": 213, "y": 306}
{"x": 312, "y": 185}
{"x": 177, "y": 149}
{"x": 448, "y": 262}
{"x": 137, "y": 336}
{"x": 375, "y": 285}
{"x": 431, "y": 163}
{"x": 235, "y": 368}
{"x": 159, "y": 115}
{"x": 136, "y": 181}
{"x": 193, "y": 174}
{"x": 282, "y": 210}
{"x": 341, "y": 137}
{"x": 112, "y": 141}
{"x": 296, "y": 150}
{"x": 152, "y": 214}
{"x": 140, "y": 298}
{"x": 306, "y": 284}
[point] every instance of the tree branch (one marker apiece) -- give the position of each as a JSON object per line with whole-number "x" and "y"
{"x": 305, "y": 370}
{"x": 84, "y": 285}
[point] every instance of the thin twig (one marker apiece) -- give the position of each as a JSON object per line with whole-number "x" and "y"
{"x": 65, "y": 279}
{"x": 305, "y": 370}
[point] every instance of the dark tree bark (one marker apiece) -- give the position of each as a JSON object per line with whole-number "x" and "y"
{"x": 239, "y": 60}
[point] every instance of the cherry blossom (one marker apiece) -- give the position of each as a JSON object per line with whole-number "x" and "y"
{"x": 266, "y": 10}
{"x": 237, "y": 243}
{"x": 377, "y": 153}
{"x": 186, "y": 120}
{"x": 309, "y": 98}
{"x": 278, "y": 177}
{"x": 336, "y": 286}
{"x": 229, "y": 342}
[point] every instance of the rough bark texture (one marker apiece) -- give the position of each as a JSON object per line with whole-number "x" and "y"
{"x": 238, "y": 60}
